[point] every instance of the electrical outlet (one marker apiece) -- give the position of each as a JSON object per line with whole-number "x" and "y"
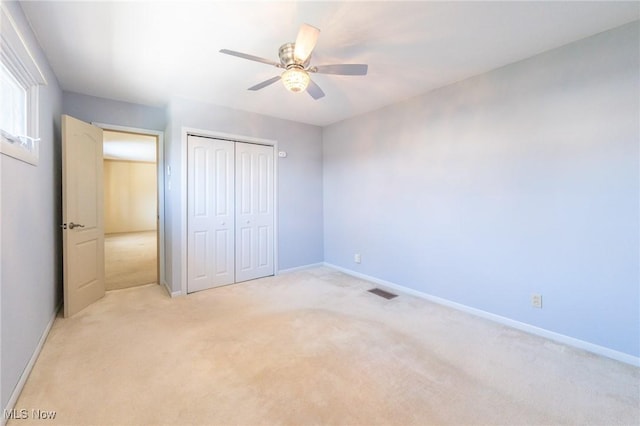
{"x": 357, "y": 258}
{"x": 536, "y": 300}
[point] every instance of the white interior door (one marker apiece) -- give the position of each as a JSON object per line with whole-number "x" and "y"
{"x": 210, "y": 213}
{"x": 254, "y": 211}
{"x": 82, "y": 214}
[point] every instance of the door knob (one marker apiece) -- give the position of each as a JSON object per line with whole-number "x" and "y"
{"x": 75, "y": 225}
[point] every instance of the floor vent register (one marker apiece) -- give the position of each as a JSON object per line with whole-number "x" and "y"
{"x": 382, "y": 293}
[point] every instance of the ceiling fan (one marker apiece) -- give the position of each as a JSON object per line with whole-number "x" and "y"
{"x": 295, "y": 60}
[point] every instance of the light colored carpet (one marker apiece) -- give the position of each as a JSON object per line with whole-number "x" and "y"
{"x": 311, "y": 348}
{"x": 130, "y": 259}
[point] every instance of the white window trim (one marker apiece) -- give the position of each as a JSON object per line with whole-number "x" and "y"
{"x": 17, "y": 57}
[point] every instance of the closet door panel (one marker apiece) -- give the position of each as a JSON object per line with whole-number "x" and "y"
{"x": 210, "y": 213}
{"x": 254, "y": 211}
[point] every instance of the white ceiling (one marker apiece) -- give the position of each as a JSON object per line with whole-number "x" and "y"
{"x": 150, "y": 52}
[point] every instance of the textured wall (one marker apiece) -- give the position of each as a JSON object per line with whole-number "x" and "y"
{"x": 518, "y": 181}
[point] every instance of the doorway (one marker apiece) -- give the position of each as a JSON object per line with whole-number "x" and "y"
{"x": 130, "y": 209}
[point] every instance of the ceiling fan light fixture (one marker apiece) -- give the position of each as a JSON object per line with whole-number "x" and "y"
{"x": 295, "y": 59}
{"x": 295, "y": 80}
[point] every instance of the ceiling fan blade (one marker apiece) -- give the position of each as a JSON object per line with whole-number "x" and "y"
{"x": 250, "y": 57}
{"x": 314, "y": 90}
{"x": 305, "y": 42}
{"x": 341, "y": 69}
{"x": 264, "y": 83}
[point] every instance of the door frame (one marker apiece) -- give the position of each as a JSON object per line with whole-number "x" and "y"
{"x": 185, "y": 132}
{"x": 160, "y": 189}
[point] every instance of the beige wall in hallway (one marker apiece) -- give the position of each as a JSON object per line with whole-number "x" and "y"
{"x": 130, "y": 196}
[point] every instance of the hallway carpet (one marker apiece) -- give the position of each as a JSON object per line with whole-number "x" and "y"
{"x": 130, "y": 259}
{"x": 312, "y": 347}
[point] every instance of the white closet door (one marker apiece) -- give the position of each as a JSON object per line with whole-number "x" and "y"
{"x": 254, "y": 211}
{"x": 210, "y": 213}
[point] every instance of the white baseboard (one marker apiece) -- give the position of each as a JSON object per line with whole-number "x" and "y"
{"x": 551, "y": 335}
{"x": 27, "y": 370}
{"x": 171, "y": 293}
{"x": 300, "y": 268}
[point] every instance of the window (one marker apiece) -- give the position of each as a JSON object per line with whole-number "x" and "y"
{"x": 14, "y": 103}
{"x": 20, "y": 78}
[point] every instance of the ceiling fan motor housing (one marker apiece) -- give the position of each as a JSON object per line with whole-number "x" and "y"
{"x": 287, "y": 57}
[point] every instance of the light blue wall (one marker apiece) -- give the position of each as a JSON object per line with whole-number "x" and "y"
{"x": 299, "y": 190}
{"x": 107, "y": 111}
{"x": 522, "y": 180}
{"x": 31, "y": 240}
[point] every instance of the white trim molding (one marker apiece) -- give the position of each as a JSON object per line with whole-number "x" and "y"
{"x": 528, "y": 328}
{"x": 171, "y": 294}
{"x": 300, "y": 268}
